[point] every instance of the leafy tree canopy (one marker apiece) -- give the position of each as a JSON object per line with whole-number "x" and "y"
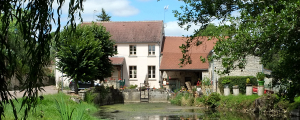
{"x": 33, "y": 19}
{"x": 103, "y": 16}
{"x": 83, "y": 54}
{"x": 212, "y": 30}
{"x": 264, "y": 28}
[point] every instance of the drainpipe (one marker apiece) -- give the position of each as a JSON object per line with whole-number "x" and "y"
{"x": 121, "y": 72}
{"x": 159, "y": 77}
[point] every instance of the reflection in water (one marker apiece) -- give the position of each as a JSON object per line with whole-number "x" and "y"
{"x": 178, "y": 113}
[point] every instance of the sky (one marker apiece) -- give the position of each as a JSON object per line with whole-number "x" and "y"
{"x": 134, "y": 10}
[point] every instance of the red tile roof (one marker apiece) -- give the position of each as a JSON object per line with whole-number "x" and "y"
{"x": 134, "y": 31}
{"x": 172, "y": 54}
{"x": 117, "y": 60}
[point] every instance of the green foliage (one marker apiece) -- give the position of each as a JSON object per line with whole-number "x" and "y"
{"x": 34, "y": 24}
{"x": 211, "y": 100}
{"x": 34, "y": 21}
{"x": 206, "y": 81}
{"x": 83, "y": 54}
{"x": 295, "y": 104}
{"x": 177, "y": 99}
{"x": 47, "y": 108}
{"x": 66, "y": 113}
{"x": 132, "y": 86}
{"x": 269, "y": 30}
{"x": 226, "y": 81}
{"x": 187, "y": 99}
{"x": 260, "y": 76}
{"x": 237, "y": 80}
{"x": 90, "y": 96}
{"x": 212, "y": 30}
{"x": 237, "y": 102}
{"x": 103, "y": 16}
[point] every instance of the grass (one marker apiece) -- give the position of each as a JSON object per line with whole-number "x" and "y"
{"x": 47, "y": 109}
{"x": 237, "y": 102}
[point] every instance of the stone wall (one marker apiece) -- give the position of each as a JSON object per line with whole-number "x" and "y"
{"x": 252, "y": 67}
{"x": 154, "y": 96}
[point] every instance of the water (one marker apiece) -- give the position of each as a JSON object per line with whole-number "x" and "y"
{"x": 165, "y": 111}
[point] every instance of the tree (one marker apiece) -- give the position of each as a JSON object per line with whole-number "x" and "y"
{"x": 103, "y": 16}
{"x": 33, "y": 20}
{"x": 264, "y": 29}
{"x": 83, "y": 54}
{"x": 212, "y": 30}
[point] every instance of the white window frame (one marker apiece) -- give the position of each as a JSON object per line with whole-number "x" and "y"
{"x": 132, "y": 50}
{"x": 132, "y": 71}
{"x": 151, "y": 71}
{"x": 151, "y": 50}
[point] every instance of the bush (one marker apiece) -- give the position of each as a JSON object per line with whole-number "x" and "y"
{"x": 177, "y": 99}
{"x": 90, "y": 96}
{"x": 187, "y": 99}
{"x": 132, "y": 87}
{"x": 237, "y": 80}
{"x": 211, "y": 100}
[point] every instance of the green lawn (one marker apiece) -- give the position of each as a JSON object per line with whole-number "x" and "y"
{"x": 47, "y": 109}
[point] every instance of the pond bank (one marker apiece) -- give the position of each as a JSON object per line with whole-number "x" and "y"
{"x": 270, "y": 104}
{"x": 162, "y": 111}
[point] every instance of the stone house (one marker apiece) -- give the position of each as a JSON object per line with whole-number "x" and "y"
{"x": 138, "y": 45}
{"x": 252, "y": 67}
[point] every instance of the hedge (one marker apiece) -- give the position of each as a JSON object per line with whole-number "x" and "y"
{"x": 237, "y": 80}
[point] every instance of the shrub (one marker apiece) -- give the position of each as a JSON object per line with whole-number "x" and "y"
{"x": 187, "y": 99}
{"x": 177, "y": 99}
{"x": 237, "y": 80}
{"x": 211, "y": 100}
{"x": 132, "y": 86}
{"x": 89, "y": 96}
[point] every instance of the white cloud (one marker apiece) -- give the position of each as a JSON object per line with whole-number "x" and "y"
{"x": 172, "y": 29}
{"x": 120, "y": 8}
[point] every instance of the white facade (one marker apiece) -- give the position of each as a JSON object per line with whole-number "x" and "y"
{"x": 59, "y": 77}
{"x": 141, "y": 60}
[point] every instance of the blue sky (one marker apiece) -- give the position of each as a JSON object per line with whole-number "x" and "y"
{"x": 134, "y": 10}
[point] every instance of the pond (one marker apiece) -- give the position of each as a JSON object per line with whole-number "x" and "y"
{"x": 166, "y": 111}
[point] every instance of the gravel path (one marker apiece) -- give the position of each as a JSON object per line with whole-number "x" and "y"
{"x": 48, "y": 90}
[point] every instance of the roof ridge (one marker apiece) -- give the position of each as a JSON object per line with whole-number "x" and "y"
{"x": 123, "y": 21}
{"x": 174, "y": 36}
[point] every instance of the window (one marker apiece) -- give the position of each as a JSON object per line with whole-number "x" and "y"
{"x": 151, "y": 49}
{"x": 116, "y": 48}
{"x": 151, "y": 71}
{"x": 132, "y": 50}
{"x": 132, "y": 71}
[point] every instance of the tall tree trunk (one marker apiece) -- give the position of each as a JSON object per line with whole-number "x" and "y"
{"x": 76, "y": 86}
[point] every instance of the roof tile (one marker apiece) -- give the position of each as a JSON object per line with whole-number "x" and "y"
{"x": 133, "y": 31}
{"x": 172, "y": 53}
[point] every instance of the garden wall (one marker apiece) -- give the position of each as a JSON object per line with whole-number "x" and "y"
{"x": 154, "y": 96}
